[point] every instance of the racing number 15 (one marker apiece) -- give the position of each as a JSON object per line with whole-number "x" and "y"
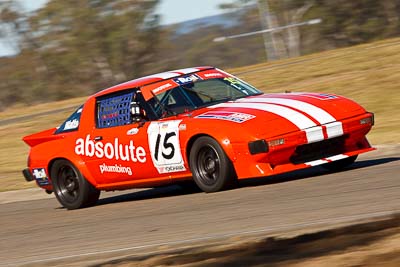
{"x": 164, "y": 146}
{"x": 168, "y": 146}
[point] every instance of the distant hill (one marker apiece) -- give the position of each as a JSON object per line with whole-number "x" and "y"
{"x": 226, "y": 20}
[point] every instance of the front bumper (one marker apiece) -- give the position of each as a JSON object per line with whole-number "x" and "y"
{"x": 294, "y": 151}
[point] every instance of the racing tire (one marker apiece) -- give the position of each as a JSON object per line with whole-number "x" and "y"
{"x": 339, "y": 164}
{"x": 211, "y": 168}
{"x": 72, "y": 190}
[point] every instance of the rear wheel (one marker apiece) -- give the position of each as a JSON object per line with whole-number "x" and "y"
{"x": 340, "y": 164}
{"x": 72, "y": 190}
{"x": 211, "y": 168}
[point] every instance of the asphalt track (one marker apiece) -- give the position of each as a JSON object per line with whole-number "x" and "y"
{"x": 40, "y": 232}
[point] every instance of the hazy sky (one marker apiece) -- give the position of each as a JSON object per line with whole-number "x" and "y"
{"x": 171, "y": 11}
{"x": 32, "y": 4}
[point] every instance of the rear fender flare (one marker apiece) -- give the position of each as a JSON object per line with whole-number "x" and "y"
{"x": 79, "y": 163}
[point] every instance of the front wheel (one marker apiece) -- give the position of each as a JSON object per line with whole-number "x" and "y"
{"x": 212, "y": 170}
{"x": 340, "y": 164}
{"x": 72, "y": 190}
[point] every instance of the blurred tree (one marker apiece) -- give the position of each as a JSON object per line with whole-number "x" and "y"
{"x": 344, "y": 23}
{"x": 16, "y": 75}
{"x": 14, "y": 27}
{"x": 353, "y": 22}
{"x": 75, "y": 47}
{"x": 274, "y": 14}
{"x": 97, "y": 41}
{"x": 287, "y": 12}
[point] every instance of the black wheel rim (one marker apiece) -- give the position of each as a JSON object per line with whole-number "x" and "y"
{"x": 68, "y": 184}
{"x": 208, "y": 165}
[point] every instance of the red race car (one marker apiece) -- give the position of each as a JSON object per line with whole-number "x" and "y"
{"x": 196, "y": 123}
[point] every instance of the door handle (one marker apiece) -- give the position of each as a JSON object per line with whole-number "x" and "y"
{"x": 98, "y": 138}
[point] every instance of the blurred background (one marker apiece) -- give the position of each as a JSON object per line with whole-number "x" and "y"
{"x": 57, "y": 49}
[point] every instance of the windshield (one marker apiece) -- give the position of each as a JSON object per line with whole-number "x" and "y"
{"x": 194, "y": 93}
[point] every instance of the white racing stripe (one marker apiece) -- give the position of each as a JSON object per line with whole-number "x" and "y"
{"x": 315, "y": 112}
{"x": 186, "y": 71}
{"x": 164, "y": 75}
{"x": 333, "y": 127}
{"x": 314, "y": 134}
{"x": 172, "y": 74}
{"x": 300, "y": 120}
{"x": 326, "y": 160}
{"x": 337, "y": 157}
{"x": 316, "y": 162}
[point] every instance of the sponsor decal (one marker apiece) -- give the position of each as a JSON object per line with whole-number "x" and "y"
{"x": 41, "y": 176}
{"x": 150, "y": 90}
{"x": 132, "y": 131}
{"x": 162, "y": 88}
{"x": 319, "y": 96}
{"x": 235, "y": 83}
{"x": 187, "y": 79}
{"x": 165, "y": 147}
{"x": 164, "y": 125}
{"x": 70, "y": 125}
{"x": 115, "y": 169}
{"x": 297, "y": 118}
{"x": 167, "y": 169}
{"x": 115, "y": 150}
{"x": 225, "y": 115}
{"x": 213, "y": 74}
{"x": 231, "y": 80}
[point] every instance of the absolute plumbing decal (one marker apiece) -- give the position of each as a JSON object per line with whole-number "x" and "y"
{"x": 115, "y": 169}
{"x": 125, "y": 152}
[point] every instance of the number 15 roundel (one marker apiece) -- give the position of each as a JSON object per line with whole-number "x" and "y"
{"x": 164, "y": 146}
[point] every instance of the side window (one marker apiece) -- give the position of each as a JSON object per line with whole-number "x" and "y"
{"x": 114, "y": 110}
{"x": 72, "y": 123}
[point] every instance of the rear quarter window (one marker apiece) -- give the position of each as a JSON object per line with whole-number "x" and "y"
{"x": 72, "y": 123}
{"x": 114, "y": 110}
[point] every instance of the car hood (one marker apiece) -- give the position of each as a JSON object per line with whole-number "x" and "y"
{"x": 270, "y": 115}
